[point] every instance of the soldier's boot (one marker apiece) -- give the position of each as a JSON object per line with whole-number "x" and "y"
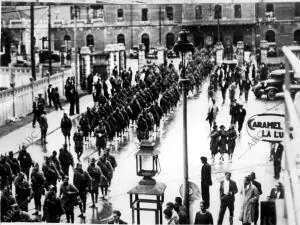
{"x": 231, "y": 220}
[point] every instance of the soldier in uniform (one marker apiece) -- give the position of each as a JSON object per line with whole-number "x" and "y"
{"x": 82, "y": 182}
{"x": 69, "y": 197}
{"x": 85, "y": 126}
{"x": 50, "y": 172}
{"x": 37, "y": 185}
{"x": 66, "y": 126}
{"x": 14, "y": 164}
{"x": 5, "y": 172}
{"x": 78, "y": 141}
{"x": 41, "y": 103}
{"x": 23, "y": 191}
{"x": 95, "y": 174}
{"x": 66, "y": 160}
{"x": 25, "y": 161}
{"x": 52, "y": 206}
{"x": 107, "y": 173}
{"x": 101, "y": 137}
{"x": 44, "y": 128}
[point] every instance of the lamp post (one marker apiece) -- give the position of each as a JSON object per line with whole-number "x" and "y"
{"x": 183, "y": 46}
{"x": 75, "y": 46}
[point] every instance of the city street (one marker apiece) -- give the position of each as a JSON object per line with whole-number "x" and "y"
{"x": 248, "y": 156}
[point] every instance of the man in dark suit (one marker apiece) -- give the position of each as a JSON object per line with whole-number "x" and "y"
{"x": 117, "y": 220}
{"x": 256, "y": 204}
{"x": 205, "y": 181}
{"x": 277, "y": 160}
{"x": 277, "y": 192}
{"x": 228, "y": 189}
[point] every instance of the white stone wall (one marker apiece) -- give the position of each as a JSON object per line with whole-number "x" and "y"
{"x": 24, "y": 95}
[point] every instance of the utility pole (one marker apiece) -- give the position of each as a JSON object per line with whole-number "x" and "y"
{"x": 32, "y": 42}
{"x": 75, "y": 47}
{"x": 49, "y": 41}
{"x": 159, "y": 17}
{"x": 131, "y": 23}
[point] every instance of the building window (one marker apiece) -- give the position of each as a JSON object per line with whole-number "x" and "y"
{"x": 90, "y": 40}
{"x": 146, "y": 41}
{"x": 121, "y": 39}
{"x": 297, "y": 36}
{"x": 145, "y": 14}
{"x": 169, "y": 12}
{"x": 67, "y": 40}
{"x": 297, "y": 9}
{"x": 269, "y": 10}
{"x": 218, "y": 12}
{"x": 97, "y": 12}
{"x": 198, "y": 12}
{"x": 170, "y": 40}
{"x": 270, "y": 36}
{"x": 73, "y": 10}
{"x": 237, "y": 11}
{"x": 120, "y": 14}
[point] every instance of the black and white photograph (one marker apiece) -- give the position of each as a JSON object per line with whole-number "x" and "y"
{"x": 150, "y": 112}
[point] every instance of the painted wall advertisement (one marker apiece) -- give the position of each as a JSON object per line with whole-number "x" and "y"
{"x": 266, "y": 127}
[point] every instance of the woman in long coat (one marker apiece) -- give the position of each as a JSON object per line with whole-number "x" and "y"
{"x": 250, "y": 196}
{"x": 214, "y": 141}
{"x": 231, "y": 135}
{"x": 222, "y": 141}
{"x": 66, "y": 126}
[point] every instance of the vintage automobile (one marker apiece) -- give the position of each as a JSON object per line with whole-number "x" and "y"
{"x": 44, "y": 56}
{"x": 273, "y": 86}
{"x": 152, "y": 54}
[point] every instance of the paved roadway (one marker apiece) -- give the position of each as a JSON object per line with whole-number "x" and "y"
{"x": 248, "y": 156}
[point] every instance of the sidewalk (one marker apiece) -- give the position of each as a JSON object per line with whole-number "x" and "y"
{"x": 28, "y": 135}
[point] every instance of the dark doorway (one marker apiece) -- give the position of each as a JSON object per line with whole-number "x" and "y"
{"x": 297, "y": 36}
{"x": 237, "y": 36}
{"x": 121, "y": 39}
{"x": 199, "y": 40}
{"x": 90, "y": 40}
{"x": 146, "y": 41}
{"x": 170, "y": 40}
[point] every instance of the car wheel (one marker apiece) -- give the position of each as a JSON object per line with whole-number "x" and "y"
{"x": 271, "y": 94}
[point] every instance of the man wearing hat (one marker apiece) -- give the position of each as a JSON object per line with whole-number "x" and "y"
{"x": 258, "y": 186}
{"x": 116, "y": 215}
{"x": 49, "y": 92}
{"x": 41, "y": 103}
{"x": 228, "y": 189}
{"x": 95, "y": 174}
{"x": 205, "y": 181}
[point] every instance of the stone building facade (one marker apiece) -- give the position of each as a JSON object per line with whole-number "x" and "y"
{"x": 160, "y": 24}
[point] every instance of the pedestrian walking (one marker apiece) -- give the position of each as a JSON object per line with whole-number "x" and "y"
{"x": 69, "y": 197}
{"x": 66, "y": 126}
{"x": 84, "y": 126}
{"x": 250, "y": 197}
{"x": 256, "y": 205}
{"x": 82, "y": 181}
{"x": 231, "y": 137}
{"x": 241, "y": 117}
{"x": 95, "y": 174}
{"x": 13, "y": 163}
{"x": 51, "y": 173}
{"x": 246, "y": 85}
{"x": 72, "y": 100}
{"x": 66, "y": 160}
{"x": 224, "y": 86}
{"x": 228, "y": 189}
{"x": 203, "y": 217}
{"x": 52, "y": 207}
{"x": 50, "y": 97}
{"x": 44, "y": 128}
{"x": 222, "y": 142}
{"x": 232, "y": 90}
{"x": 23, "y": 191}
{"x": 101, "y": 137}
{"x": 41, "y": 103}
{"x": 56, "y": 99}
{"x": 107, "y": 172}
{"x": 25, "y": 161}
{"x": 233, "y": 111}
{"x": 36, "y": 112}
{"x": 214, "y": 142}
{"x": 38, "y": 188}
{"x": 277, "y": 159}
{"x": 205, "y": 181}
{"x": 78, "y": 141}
{"x": 212, "y": 113}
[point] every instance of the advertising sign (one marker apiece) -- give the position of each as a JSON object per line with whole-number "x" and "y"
{"x": 266, "y": 127}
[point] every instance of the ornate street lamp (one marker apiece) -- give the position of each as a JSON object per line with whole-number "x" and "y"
{"x": 147, "y": 151}
{"x": 183, "y": 46}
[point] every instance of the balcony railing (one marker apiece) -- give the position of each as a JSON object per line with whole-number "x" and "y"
{"x": 292, "y": 140}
